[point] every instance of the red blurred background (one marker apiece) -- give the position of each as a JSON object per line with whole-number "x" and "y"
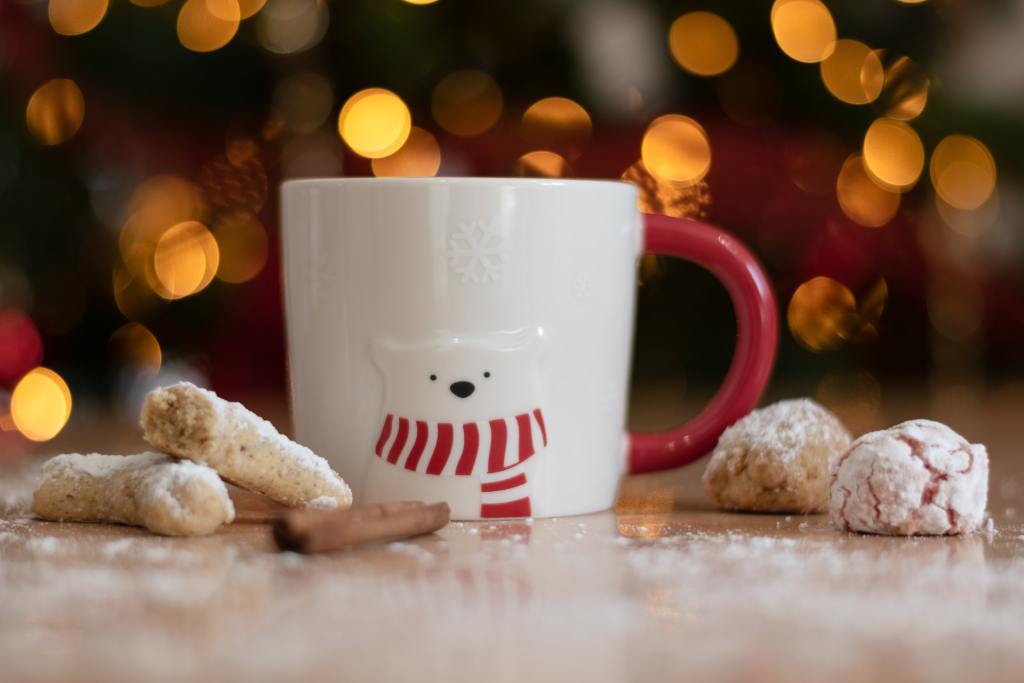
{"x": 868, "y": 152}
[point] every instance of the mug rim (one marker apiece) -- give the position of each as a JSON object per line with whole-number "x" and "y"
{"x": 338, "y": 181}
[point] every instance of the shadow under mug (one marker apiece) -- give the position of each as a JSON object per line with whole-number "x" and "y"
{"x": 469, "y": 340}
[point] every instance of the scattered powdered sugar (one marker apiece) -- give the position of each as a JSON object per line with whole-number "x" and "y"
{"x": 412, "y": 550}
{"x": 44, "y": 545}
{"x": 118, "y": 547}
{"x": 322, "y": 503}
{"x": 716, "y": 606}
{"x": 783, "y": 428}
{"x": 154, "y": 549}
{"x": 97, "y": 464}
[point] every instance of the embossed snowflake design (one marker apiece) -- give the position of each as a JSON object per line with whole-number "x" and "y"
{"x": 476, "y": 252}
{"x": 581, "y": 287}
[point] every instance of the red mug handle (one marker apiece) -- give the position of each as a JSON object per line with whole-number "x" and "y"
{"x": 756, "y": 340}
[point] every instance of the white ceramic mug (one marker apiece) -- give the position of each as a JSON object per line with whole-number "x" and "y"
{"x": 469, "y": 340}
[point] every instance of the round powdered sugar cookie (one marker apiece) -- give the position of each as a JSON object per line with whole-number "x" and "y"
{"x": 777, "y": 459}
{"x": 919, "y": 477}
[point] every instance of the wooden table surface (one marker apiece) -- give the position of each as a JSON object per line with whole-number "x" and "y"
{"x": 663, "y": 588}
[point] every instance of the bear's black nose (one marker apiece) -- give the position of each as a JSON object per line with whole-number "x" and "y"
{"x": 462, "y": 389}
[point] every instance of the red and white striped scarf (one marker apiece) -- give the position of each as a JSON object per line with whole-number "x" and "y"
{"x": 493, "y": 450}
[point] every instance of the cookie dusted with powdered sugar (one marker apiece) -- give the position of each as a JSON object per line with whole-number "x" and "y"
{"x": 919, "y": 477}
{"x": 153, "y": 490}
{"x": 245, "y": 449}
{"x": 777, "y": 459}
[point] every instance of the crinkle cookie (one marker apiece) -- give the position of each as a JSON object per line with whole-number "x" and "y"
{"x": 777, "y": 459}
{"x": 919, "y": 477}
{"x": 245, "y": 449}
{"x": 152, "y": 490}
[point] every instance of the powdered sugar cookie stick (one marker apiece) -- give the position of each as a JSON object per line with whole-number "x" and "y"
{"x": 245, "y": 449}
{"x": 148, "y": 489}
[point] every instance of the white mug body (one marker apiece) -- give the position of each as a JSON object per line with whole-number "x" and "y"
{"x": 465, "y": 340}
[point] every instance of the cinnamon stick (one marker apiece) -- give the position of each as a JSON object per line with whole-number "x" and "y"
{"x": 317, "y": 531}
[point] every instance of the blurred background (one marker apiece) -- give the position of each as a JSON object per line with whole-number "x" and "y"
{"x": 868, "y": 152}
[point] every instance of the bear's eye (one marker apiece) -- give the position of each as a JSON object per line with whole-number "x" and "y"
{"x": 433, "y": 378}
{"x": 487, "y": 373}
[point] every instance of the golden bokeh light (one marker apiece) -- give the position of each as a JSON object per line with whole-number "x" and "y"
{"x": 853, "y": 73}
{"x": 676, "y": 149}
{"x": 40, "y": 404}
{"x": 863, "y": 200}
{"x": 185, "y": 260}
{"x": 208, "y": 25}
{"x": 421, "y": 2}
{"x": 136, "y": 345}
{"x": 157, "y": 204}
{"x": 75, "y": 17}
{"x": 466, "y": 102}
{"x": 55, "y": 111}
{"x": 649, "y": 270}
{"x": 292, "y": 26}
{"x": 374, "y": 123}
{"x": 963, "y": 171}
{"x": 420, "y": 156}
{"x": 133, "y": 297}
{"x": 904, "y": 90}
{"x": 870, "y": 307}
{"x": 241, "y": 151}
{"x": 242, "y": 246}
{"x": 822, "y": 313}
{"x": 703, "y": 43}
{"x": 543, "y": 164}
{"x": 893, "y": 154}
{"x": 969, "y": 222}
{"x": 238, "y": 181}
{"x": 248, "y": 8}
{"x": 670, "y": 199}
{"x": 804, "y": 29}
{"x": 558, "y": 124}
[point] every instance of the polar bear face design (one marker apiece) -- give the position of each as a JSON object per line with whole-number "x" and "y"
{"x": 465, "y": 408}
{"x": 461, "y": 378}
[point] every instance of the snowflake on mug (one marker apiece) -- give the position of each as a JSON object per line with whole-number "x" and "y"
{"x": 476, "y": 252}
